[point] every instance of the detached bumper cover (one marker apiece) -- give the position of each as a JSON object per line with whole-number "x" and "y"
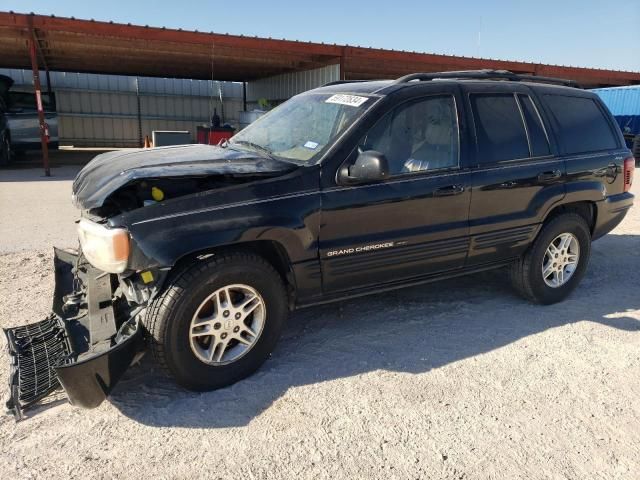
{"x": 81, "y": 346}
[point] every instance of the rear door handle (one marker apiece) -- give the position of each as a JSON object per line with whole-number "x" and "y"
{"x": 449, "y": 190}
{"x": 549, "y": 176}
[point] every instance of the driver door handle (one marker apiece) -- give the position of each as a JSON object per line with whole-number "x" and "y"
{"x": 549, "y": 176}
{"x": 449, "y": 190}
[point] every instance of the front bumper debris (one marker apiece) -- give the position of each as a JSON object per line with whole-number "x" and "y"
{"x": 85, "y": 344}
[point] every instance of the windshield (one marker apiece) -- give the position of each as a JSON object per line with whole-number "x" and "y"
{"x": 302, "y": 128}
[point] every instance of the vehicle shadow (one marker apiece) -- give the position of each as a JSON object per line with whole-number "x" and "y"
{"x": 414, "y": 330}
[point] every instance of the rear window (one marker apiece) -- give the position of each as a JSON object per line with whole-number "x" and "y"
{"x": 499, "y": 129}
{"x": 25, "y": 102}
{"x": 583, "y": 125}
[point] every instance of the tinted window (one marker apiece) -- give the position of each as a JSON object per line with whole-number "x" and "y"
{"x": 583, "y": 125}
{"x": 418, "y": 136}
{"x": 499, "y": 128}
{"x": 26, "y": 102}
{"x": 537, "y": 137}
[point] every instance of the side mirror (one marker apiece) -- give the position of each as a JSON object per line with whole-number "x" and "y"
{"x": 370, "y": 166}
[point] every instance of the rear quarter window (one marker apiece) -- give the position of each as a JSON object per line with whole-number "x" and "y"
{"x": 583, "y": 125}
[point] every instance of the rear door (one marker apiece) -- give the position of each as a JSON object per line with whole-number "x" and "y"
{"x": 517, "y": 172}
{"x": 413, "y": 224}
{"x": 589, "y": 140}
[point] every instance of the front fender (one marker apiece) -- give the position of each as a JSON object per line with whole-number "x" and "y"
{"x": 291, "y": 220}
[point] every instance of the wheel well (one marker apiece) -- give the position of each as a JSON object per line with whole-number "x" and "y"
{"x": 586, "y": 210}
{"x": 273, "y": 252}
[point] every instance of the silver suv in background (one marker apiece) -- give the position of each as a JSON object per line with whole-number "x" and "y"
{"x": 22, "y": 115}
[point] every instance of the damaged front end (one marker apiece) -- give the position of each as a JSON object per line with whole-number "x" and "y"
{"x": 85, "y": 345}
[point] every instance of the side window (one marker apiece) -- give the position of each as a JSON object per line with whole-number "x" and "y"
{"x": 418, "y": 136}
{"x": 26, "y": 102}
{"x": 583, "y": 125}
{"x": 537, "y": 136}
{"x": 499, "y": 129}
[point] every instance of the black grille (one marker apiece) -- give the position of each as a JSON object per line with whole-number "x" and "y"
{"x": 35, "y": 350}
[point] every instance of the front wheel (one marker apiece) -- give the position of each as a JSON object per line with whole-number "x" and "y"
{"x": 556, "y": 261}
{"x": 218, "y": 320}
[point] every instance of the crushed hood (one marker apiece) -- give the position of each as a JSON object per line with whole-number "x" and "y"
{"x": 111, "y": 171}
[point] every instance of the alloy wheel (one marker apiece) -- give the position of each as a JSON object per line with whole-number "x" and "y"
{"x": 560, "y": 260}
{"x": 227, "y": 324}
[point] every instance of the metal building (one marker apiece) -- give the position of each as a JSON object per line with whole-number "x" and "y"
{"x": 118, "y": 111}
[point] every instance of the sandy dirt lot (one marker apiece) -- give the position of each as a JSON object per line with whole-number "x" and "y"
{"x": 460, "y": 379}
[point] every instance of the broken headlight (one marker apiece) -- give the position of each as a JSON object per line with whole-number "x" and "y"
{"x": 107, "y": 249}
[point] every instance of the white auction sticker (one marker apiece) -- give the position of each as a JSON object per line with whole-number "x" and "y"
{"x": 311, "y": 145}
{"x": 350, "y": 100}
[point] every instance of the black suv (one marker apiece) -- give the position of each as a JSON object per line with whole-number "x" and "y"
{"x": 199, "y": 252}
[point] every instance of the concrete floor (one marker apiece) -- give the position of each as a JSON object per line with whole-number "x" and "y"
{"x": 459, "y": 379}
{"x": 36, "y": 211}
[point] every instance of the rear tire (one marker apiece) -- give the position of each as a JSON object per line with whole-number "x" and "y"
{"x": 179, "y": 342}
{"x": 636, "y": 148}
{"x": 527, "y": 273}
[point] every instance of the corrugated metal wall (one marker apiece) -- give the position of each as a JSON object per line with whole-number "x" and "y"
{"x": 120, "y": 83}
{"x": 282, "y": 87}
{"x": 101, "y": 118}
{"x": 102, "y": 110}
{"x": 621, "y": 100}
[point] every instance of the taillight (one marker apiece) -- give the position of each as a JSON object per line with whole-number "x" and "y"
{"x": 629, "y": 167}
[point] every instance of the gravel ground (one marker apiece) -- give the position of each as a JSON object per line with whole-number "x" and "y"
{"x": 460, "y": 379}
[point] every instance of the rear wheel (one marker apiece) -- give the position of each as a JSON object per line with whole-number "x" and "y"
{"x": 218, "y": 320}
{"x": 556, "y": 262}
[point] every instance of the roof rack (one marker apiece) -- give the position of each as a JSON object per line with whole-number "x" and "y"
{"x": 485, "y": 75}
{"x": 340, "y": 82}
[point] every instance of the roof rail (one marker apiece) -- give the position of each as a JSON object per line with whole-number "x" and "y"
{"x": 340, "y": 82}
{"x": 485, "y": 75}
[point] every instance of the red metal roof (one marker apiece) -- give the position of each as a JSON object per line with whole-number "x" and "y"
{"x": 68, "y": 44}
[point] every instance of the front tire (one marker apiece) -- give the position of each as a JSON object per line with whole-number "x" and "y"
{"x": 218, "y": 320}
{"x": 556, "y": 261}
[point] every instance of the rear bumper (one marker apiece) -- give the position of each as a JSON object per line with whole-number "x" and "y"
{"x": 83, "y": 346}
{"x": 610, "y": 212}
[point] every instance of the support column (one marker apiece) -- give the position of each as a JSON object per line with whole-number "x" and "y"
{"x": 38, "y": 91}
{"x": 342, "y": 72}
{"x": 244, "y": 96}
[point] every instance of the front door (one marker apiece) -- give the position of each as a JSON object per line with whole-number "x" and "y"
{"x": 411, "y": 225}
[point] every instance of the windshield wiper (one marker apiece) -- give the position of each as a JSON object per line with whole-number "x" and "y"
{"x": 255, "y": 146}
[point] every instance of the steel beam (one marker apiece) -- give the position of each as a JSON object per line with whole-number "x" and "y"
{"x": 38, "y": 92}
{"x": 70, "y": 44}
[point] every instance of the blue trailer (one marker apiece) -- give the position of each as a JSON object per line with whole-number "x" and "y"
{"x": 624, "y": 103}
